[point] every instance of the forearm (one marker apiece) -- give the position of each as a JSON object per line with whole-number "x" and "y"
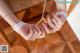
{"x": 7, "y": 14}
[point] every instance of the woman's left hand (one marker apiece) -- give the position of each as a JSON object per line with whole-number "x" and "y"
{"x": 54, "y": 22}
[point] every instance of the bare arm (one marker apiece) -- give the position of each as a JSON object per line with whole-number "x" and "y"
{"x": 7, "y": 14}
{"x": 26, "y": 30}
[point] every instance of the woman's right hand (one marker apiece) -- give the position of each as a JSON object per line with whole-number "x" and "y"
{"x": 30, "y": 32}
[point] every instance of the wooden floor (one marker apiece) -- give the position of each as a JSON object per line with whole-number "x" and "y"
{"x": 63, "y": 41}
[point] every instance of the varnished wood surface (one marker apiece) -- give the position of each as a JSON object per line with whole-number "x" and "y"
{"x": 63, "y": 41}
{"x": 72, "y": 6}
{"x": 18, "y": 5}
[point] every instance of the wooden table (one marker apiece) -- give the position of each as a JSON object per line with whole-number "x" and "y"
{"x": 63, "y": 41}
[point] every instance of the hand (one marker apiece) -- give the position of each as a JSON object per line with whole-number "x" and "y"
{"x": 30, "y": 32}
{"x": 55, "y": 22}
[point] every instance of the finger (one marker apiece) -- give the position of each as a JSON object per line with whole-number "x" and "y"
{"x": 63, "y": 19}
{"x": 45, "y": 27}
{"x": 30, "y": 34}
{"x": 54, "y": 21}
{"x": 43, "y": 33}
{"x": 53, "y": 31}
{"x": 34, "y": 35}
{"x": 57, "y": 19}
{"x": 42, "y": 36}
{"x": 56, "y": 24}
{"x": 59, "y": 23}
{"x": 38, "y": 34}
{"x": 63, "y": 16}
{"x": 50, "y": 22}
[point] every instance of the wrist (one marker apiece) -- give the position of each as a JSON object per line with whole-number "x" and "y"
{"x": 18, "y": 26}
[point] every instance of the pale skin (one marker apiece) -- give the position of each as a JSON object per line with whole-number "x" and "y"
{"x": 30, "y": 31}
{"x": 54, "y": 23}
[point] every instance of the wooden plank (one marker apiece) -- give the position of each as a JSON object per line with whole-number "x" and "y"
{"x": 76, "y": 46}
{"x": 17, "y": 49}
{"x": 67, "y": 32}
{"x": 3, "y": 39}
{"x": 68, "y": 37}
{"x": 11, "y": 35}
{"x": 18, "y": 5}
{"x": 4, "y": 24}
{"x": 72, "y": 6}
{"x": 50, "y": 41}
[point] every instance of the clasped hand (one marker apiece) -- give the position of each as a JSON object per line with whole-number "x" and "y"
{"x": 54, "y": 23}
